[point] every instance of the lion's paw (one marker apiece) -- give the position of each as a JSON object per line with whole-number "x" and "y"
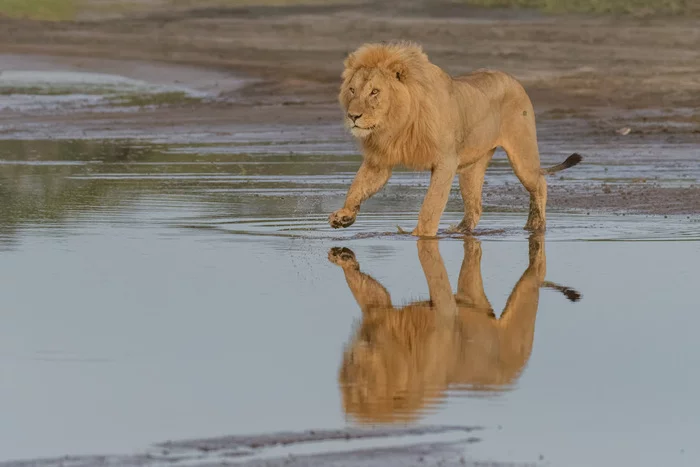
{"x": 343, "y": 257}
{"x": 342, "y": 218}
{"x": 466, "y": 226}
{"x": 535, "y": 226}
{"x": 423, "y": 233}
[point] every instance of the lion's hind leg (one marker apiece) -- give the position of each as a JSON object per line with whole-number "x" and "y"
{"x": 470, "y": 285}
{"x": 519, "y": 140}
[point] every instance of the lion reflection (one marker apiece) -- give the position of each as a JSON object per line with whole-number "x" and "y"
{"x": 402, "y": 360}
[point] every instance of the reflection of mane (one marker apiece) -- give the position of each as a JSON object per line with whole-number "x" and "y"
{"x": 396, "y": 383}
{"x": 401, "y": 360}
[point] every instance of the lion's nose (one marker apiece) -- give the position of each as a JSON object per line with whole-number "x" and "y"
{"x": 354, "y": 117}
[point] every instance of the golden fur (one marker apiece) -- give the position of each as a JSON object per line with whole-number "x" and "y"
{"x": 402, "y": 360}
{"x": 406, "y": 111}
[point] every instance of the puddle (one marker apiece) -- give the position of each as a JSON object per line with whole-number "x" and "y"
{"x": 36, "y": 90}
{"x": 232, "y": 191}
{"x": 158, "y": 292}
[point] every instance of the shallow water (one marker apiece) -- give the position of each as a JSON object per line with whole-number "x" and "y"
{"x": 156, "y": 292}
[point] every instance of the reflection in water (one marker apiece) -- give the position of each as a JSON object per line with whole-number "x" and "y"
{"x": 37, "y": 187}
{"x": 60, "y": 188}
{"x": 402, "y": 360}
{"x": 53, "y": 185}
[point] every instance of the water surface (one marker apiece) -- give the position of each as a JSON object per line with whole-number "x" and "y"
{"x": 157, "y": 292}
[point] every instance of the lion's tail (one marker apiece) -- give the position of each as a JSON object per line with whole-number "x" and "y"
{"x": 570, "y": 161}
{"x": 571, "y": 294}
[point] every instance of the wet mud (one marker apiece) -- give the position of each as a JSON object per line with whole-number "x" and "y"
{"x": 353, "y": 446}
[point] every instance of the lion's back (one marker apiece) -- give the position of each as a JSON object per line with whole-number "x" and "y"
{"x": 496, "y": 85}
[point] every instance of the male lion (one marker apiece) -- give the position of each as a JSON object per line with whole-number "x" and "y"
{"x": 402, "y": 360}
{"x": 406, "y": 111}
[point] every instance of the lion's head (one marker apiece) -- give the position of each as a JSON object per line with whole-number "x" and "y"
{"x": 378, "y": 87}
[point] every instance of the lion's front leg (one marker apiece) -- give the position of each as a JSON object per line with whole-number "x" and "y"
{"x": 367, "y": 291}
{"x": 368, "y": 181}
{"x": 435, "y": 199}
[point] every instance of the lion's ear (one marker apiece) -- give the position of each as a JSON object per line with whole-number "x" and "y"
{"x": 400, "y": 70}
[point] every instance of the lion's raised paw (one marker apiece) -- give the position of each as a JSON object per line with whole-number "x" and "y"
{"x": 343, "y": 257}
{"x": 342, "y": 218}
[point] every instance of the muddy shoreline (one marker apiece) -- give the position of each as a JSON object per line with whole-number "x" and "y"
{"x": 396, "y": 447}
{"x": 278, "y": 67}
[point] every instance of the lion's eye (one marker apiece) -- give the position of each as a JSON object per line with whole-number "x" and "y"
{"x": 352, "y": 90}
{"x": 375, "y": 92}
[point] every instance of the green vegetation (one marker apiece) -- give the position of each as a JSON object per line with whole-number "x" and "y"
{"x": 235, "y": 3}
{"x": 34, "y": 91}
{"x": 69, "y": 9}
{"x": 57, "y": 10}
{"x": 53, "y": 10}
{"x": 635, "y": 7}
{"x": 113, "y": 98}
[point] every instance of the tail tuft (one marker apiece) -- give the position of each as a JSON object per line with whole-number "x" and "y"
{"x": 570, "y": 161}
{"x": 571, "y": 294}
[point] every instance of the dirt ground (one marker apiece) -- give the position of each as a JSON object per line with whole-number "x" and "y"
{"x": 602, "y": 73}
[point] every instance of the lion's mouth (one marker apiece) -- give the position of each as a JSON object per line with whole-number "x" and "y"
{"x": 362, "y": 132}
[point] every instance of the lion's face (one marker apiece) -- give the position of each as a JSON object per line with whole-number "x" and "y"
{"x": 373, "y": 101}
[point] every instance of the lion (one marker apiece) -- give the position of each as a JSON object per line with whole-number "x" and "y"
{"x": 406, "y": 111}
{"x": 402, "y": 360}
